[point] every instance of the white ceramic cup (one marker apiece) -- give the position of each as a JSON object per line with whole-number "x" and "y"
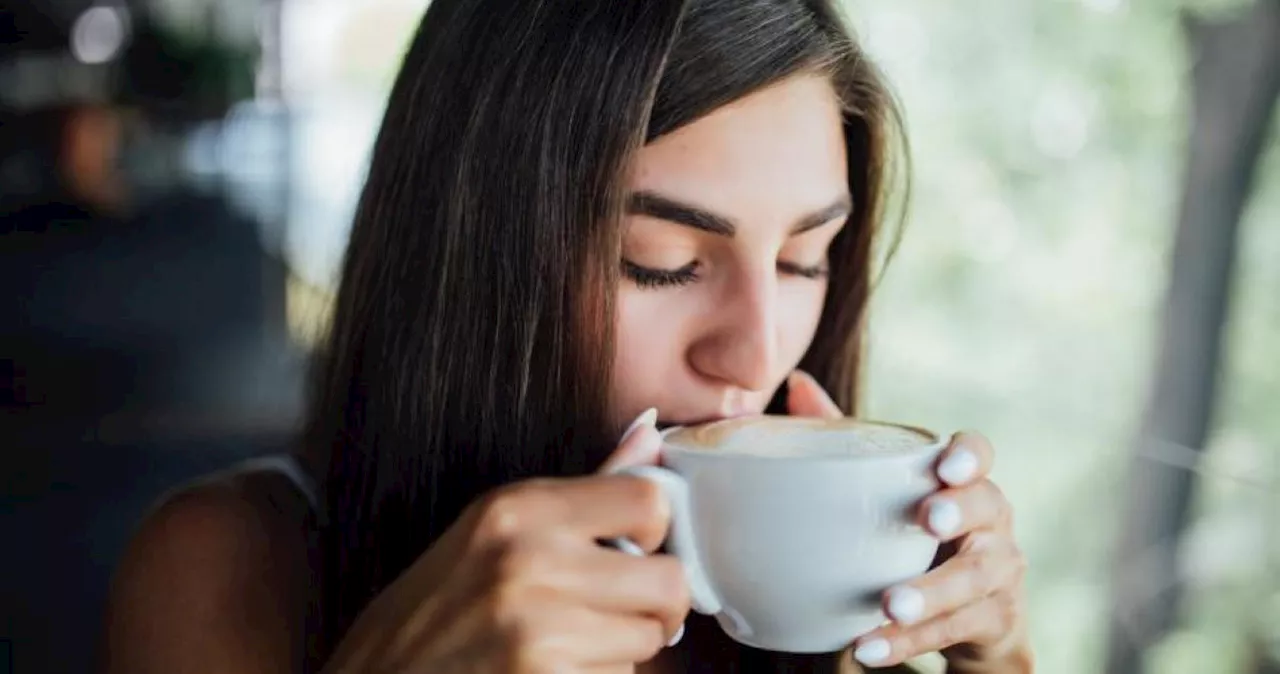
{"x": 792, "y": 550}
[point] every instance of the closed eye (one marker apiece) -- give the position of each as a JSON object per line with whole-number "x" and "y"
{"x": 650, "y": 277}
{"x": 814, "y": 272}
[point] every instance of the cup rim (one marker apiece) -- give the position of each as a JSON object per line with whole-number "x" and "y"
{"x": 940, "y": 442}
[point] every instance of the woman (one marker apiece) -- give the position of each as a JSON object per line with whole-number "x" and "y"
{"x": 576, "y": 211}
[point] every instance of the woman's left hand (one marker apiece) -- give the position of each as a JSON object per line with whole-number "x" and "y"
{"x": 970, "y": 606}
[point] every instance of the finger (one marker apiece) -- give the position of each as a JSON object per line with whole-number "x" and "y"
{"x": 594, "y": 638}
{"x": 806, "y": 398}
{"x": 982, "y": 621}
{"x": 591, "y": 508}
{"x": 554, "y": 635}
{"x": 640, "y": 444}
{"x": 537, "y": 574}
{"x": 616, "y": 582}
{"x": 968, "y": 457}
{"x": 961, "y": 580}
{"x": 951, "y": 513}
{"x": 619, "y": 506}
{"x": 678, "y": 603}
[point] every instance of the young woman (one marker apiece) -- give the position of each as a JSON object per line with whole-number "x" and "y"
{"x": 576, "y": 211}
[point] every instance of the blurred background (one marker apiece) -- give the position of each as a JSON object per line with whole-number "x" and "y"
{"x": 1087, "y": 276}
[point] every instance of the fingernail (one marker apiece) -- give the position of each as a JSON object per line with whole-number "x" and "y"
{"x": 906, "y": 605}
{"x": 958, "y": 468}
{"x": 625, "y": 545}
{"x": 678, "y": 636}
{"x": 645, "y": 451}
{"x": 872, "y": 652}
{"x": 944, "y": 517}
{"x": 648, "y": 417}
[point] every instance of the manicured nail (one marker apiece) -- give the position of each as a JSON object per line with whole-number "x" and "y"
{"x": 958, "y": 468}
{"x": 872, "y": 652}
{"x": 678, "y": 636}
{"x": 625, "y": 545}
{"x": 944, "y": 517}
{"x": 645, "y": 451}
{"x": 648, "y": 417}
{"x": 906, "y": 604}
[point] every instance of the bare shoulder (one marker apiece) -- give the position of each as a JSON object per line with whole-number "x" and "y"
{"x": 214, "y": 580}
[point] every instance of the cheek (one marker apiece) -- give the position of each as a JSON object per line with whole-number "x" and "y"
{"x": 647, "y": 328}
{"x": 799, "y": 309}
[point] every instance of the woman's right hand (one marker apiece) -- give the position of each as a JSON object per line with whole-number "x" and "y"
{"x": 520, "y": 584}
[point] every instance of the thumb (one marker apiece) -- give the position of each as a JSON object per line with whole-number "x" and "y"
{"x": 640, "y": 445}
{"x": 805, "y": 398}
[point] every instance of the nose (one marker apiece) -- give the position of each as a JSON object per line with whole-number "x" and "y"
{"x": 740, "y": 344}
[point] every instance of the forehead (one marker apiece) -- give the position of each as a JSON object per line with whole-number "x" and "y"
{"x": 765, "y": 157}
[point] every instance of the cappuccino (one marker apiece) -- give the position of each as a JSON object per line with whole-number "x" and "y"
{"x": 791, "y": 529}
{"x": 798, "y": 437}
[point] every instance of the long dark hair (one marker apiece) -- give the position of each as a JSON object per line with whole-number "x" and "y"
{"x": 471, "y": 340}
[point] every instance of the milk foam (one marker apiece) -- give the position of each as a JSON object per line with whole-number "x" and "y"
{"x": 782, "y": 437}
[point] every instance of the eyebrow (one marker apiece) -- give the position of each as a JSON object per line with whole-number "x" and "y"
{"x": 652, "y": 204}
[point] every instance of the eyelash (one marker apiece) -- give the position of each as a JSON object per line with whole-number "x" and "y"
{"x": 646, "y": 277}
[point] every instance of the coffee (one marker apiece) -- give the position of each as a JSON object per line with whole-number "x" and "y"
{"x": 791, "y": 437}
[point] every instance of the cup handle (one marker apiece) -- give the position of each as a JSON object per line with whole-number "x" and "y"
{"x": 680, "y": 539}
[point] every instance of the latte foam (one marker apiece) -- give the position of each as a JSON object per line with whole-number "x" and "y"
{"x": 782, "y": 437}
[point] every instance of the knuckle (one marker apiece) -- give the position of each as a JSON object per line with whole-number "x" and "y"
{"x": 500, "y": 516}
{"x": 670, "y": 583}
{"x": 505, "y": 512}
{"x": 650, "y": 501}
{"x": 649, "y": 504}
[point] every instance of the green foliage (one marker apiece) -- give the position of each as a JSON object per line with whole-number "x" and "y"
{"x": 1049, "y": 143}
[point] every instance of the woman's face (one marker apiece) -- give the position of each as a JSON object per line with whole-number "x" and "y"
{"x": 725, "y": 253}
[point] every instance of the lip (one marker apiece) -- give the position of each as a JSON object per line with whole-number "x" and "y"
{"x": 666, "y": 424}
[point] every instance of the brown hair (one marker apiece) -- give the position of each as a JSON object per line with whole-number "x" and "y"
{"x": 472, "y": 334}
